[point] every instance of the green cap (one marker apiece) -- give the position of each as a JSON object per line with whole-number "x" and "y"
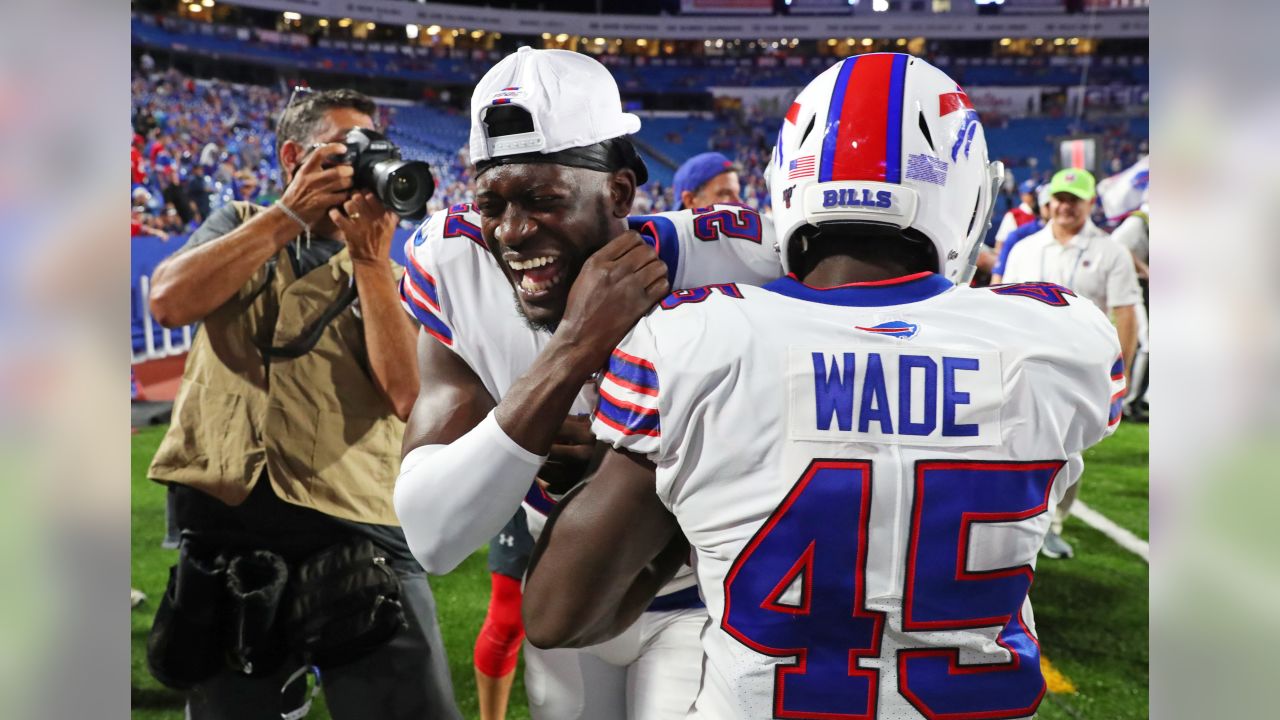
{"x": 1075, "y": 181}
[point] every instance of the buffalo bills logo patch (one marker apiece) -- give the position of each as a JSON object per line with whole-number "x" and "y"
{"x": 893, "y": 328}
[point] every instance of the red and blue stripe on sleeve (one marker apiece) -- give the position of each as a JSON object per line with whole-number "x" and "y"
{"x": 420, "y": 297}
{"x": 629, "y": 396}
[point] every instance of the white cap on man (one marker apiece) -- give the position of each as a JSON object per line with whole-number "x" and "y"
{"x": 571, "y": 98}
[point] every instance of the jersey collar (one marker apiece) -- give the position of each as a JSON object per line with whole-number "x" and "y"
{"x": 894, "y": 291}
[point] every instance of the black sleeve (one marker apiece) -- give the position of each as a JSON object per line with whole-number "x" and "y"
{"x": 219, "y": 223}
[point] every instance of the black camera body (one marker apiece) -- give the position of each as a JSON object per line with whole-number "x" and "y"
{"x": 403, "y": 186}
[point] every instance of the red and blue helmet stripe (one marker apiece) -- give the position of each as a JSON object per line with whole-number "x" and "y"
{"x": 863, "y": 137}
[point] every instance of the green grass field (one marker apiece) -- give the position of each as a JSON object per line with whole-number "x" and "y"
{"x": 1091, "y": 611}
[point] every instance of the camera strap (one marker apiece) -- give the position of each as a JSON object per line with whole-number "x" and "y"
{"x": 307, "y": 340}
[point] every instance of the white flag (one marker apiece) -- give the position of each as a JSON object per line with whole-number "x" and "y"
{"x": 1125, "y": 192}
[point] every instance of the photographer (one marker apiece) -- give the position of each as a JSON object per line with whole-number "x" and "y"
{"x": 286, "y": 439}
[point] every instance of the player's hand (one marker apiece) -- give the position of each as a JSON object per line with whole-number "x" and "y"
{"x": 571, "y": 452}
{"x": 367, "y": 226}
{"x": 315, "y": 188}
{"x": 616, "y": 287}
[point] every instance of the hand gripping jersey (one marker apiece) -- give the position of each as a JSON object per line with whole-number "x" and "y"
{"x": 866, "y": 474}
{"x": 454, "y": 287}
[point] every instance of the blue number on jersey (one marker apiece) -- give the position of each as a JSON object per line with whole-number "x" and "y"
{"x": 941, "y": 594}
{"x": 698, "y": 294}
{"x": 820, "y": 531}
{"x": 1046, "y": 292}
{"x": 456, "y": 225}
{"x": 742, "y": 223}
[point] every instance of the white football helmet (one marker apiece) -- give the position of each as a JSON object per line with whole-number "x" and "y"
{"x": 886, "y": 138}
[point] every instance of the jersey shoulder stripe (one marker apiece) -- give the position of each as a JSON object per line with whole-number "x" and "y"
{"x": 628, "y": 396}
{"x": 415, "y": 302}
{"x": 660, "y": 233}
{"x": 424, "y": 282}
{"x": 633, "y": 373}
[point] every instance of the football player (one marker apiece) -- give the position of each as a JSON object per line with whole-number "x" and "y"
{"x": 522, "y": 296}
{"x": 863, "y": 455}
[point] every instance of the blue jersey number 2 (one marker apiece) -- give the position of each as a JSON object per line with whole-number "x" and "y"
{"x": 797, "y": 590}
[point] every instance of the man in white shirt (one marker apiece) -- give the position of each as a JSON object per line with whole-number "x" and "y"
{"x": 1073, "y": 252}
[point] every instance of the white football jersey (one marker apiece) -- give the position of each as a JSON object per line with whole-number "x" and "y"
{"x": 455, "y": 288}
{"x": 866, "y": 474}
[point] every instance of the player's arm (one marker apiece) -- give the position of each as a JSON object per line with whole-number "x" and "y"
{"x": 602, "y": 557}
{"x": 468, "y": 462}
{"x": 723, "y": 244}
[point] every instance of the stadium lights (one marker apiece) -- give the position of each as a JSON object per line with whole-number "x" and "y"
{"x": 194, "y": 7}
{"x": 292, "y": 16}
{"x": 831, "y": 42}
{"x": 1059, "y": 41}
{"x": 1075, "y": 41}
{"x": 902, "y": 41}
{"x": 435, "y": 30}
{"x": 642, "y": 42}
{"x": 719, "y": 43}
{"x": 1039, "y": 41}
{"x": 477, "y": 34}
{"x": 879, "y": 5}
{"x": 866, "y": 42}
{"x": 599, "y": 41}
{"x": 370, "y": 26}
{"x": 562, "y": 37}
{"x": 344, "y": 22}
{"x": 1006, "y": 42}
{"x": 323, "y": 22}
{"x": 546, "y": 36}
{"x": 207, "y": 3}
{"x": 411, "y": 32}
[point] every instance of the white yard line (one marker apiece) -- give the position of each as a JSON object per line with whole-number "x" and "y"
{"x": 1104, "y": 525}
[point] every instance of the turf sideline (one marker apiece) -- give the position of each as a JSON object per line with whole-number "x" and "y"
{"x": 1104, "y": 525}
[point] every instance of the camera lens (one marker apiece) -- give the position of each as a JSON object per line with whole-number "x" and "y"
{"x": 404, "y": 187}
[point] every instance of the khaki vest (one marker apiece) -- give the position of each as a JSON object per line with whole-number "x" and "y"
{"x": 325, "y": 433}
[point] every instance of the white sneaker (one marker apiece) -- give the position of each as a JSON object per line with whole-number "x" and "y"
{"x": 1055, "y": 547}
{"x": 136, "y": 597}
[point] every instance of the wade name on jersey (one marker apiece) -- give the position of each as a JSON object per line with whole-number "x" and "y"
{"x": 922, "y": 397}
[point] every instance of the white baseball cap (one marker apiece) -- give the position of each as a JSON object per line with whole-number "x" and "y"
{"x": 573, "y": 100}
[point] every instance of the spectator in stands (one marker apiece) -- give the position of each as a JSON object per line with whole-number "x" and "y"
{"x": 1073, "y": 252}
{"x": 198, "y": 190}
{"x": 140, "y": 224}
{"x": 706, "y": 179}
{"x": 1020, "y": 215}
{"x": 286, "y": 432}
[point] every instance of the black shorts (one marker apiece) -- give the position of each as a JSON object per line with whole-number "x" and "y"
{"x": 509, "y": 550}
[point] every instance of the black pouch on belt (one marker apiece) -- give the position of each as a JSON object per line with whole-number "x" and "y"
{"x": 256, "y": 582}
{"x": 184, "y": 646}
{"x": 345, "y": 603}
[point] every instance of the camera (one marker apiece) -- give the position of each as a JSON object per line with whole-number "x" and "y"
{"x": 403, "y": 186}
